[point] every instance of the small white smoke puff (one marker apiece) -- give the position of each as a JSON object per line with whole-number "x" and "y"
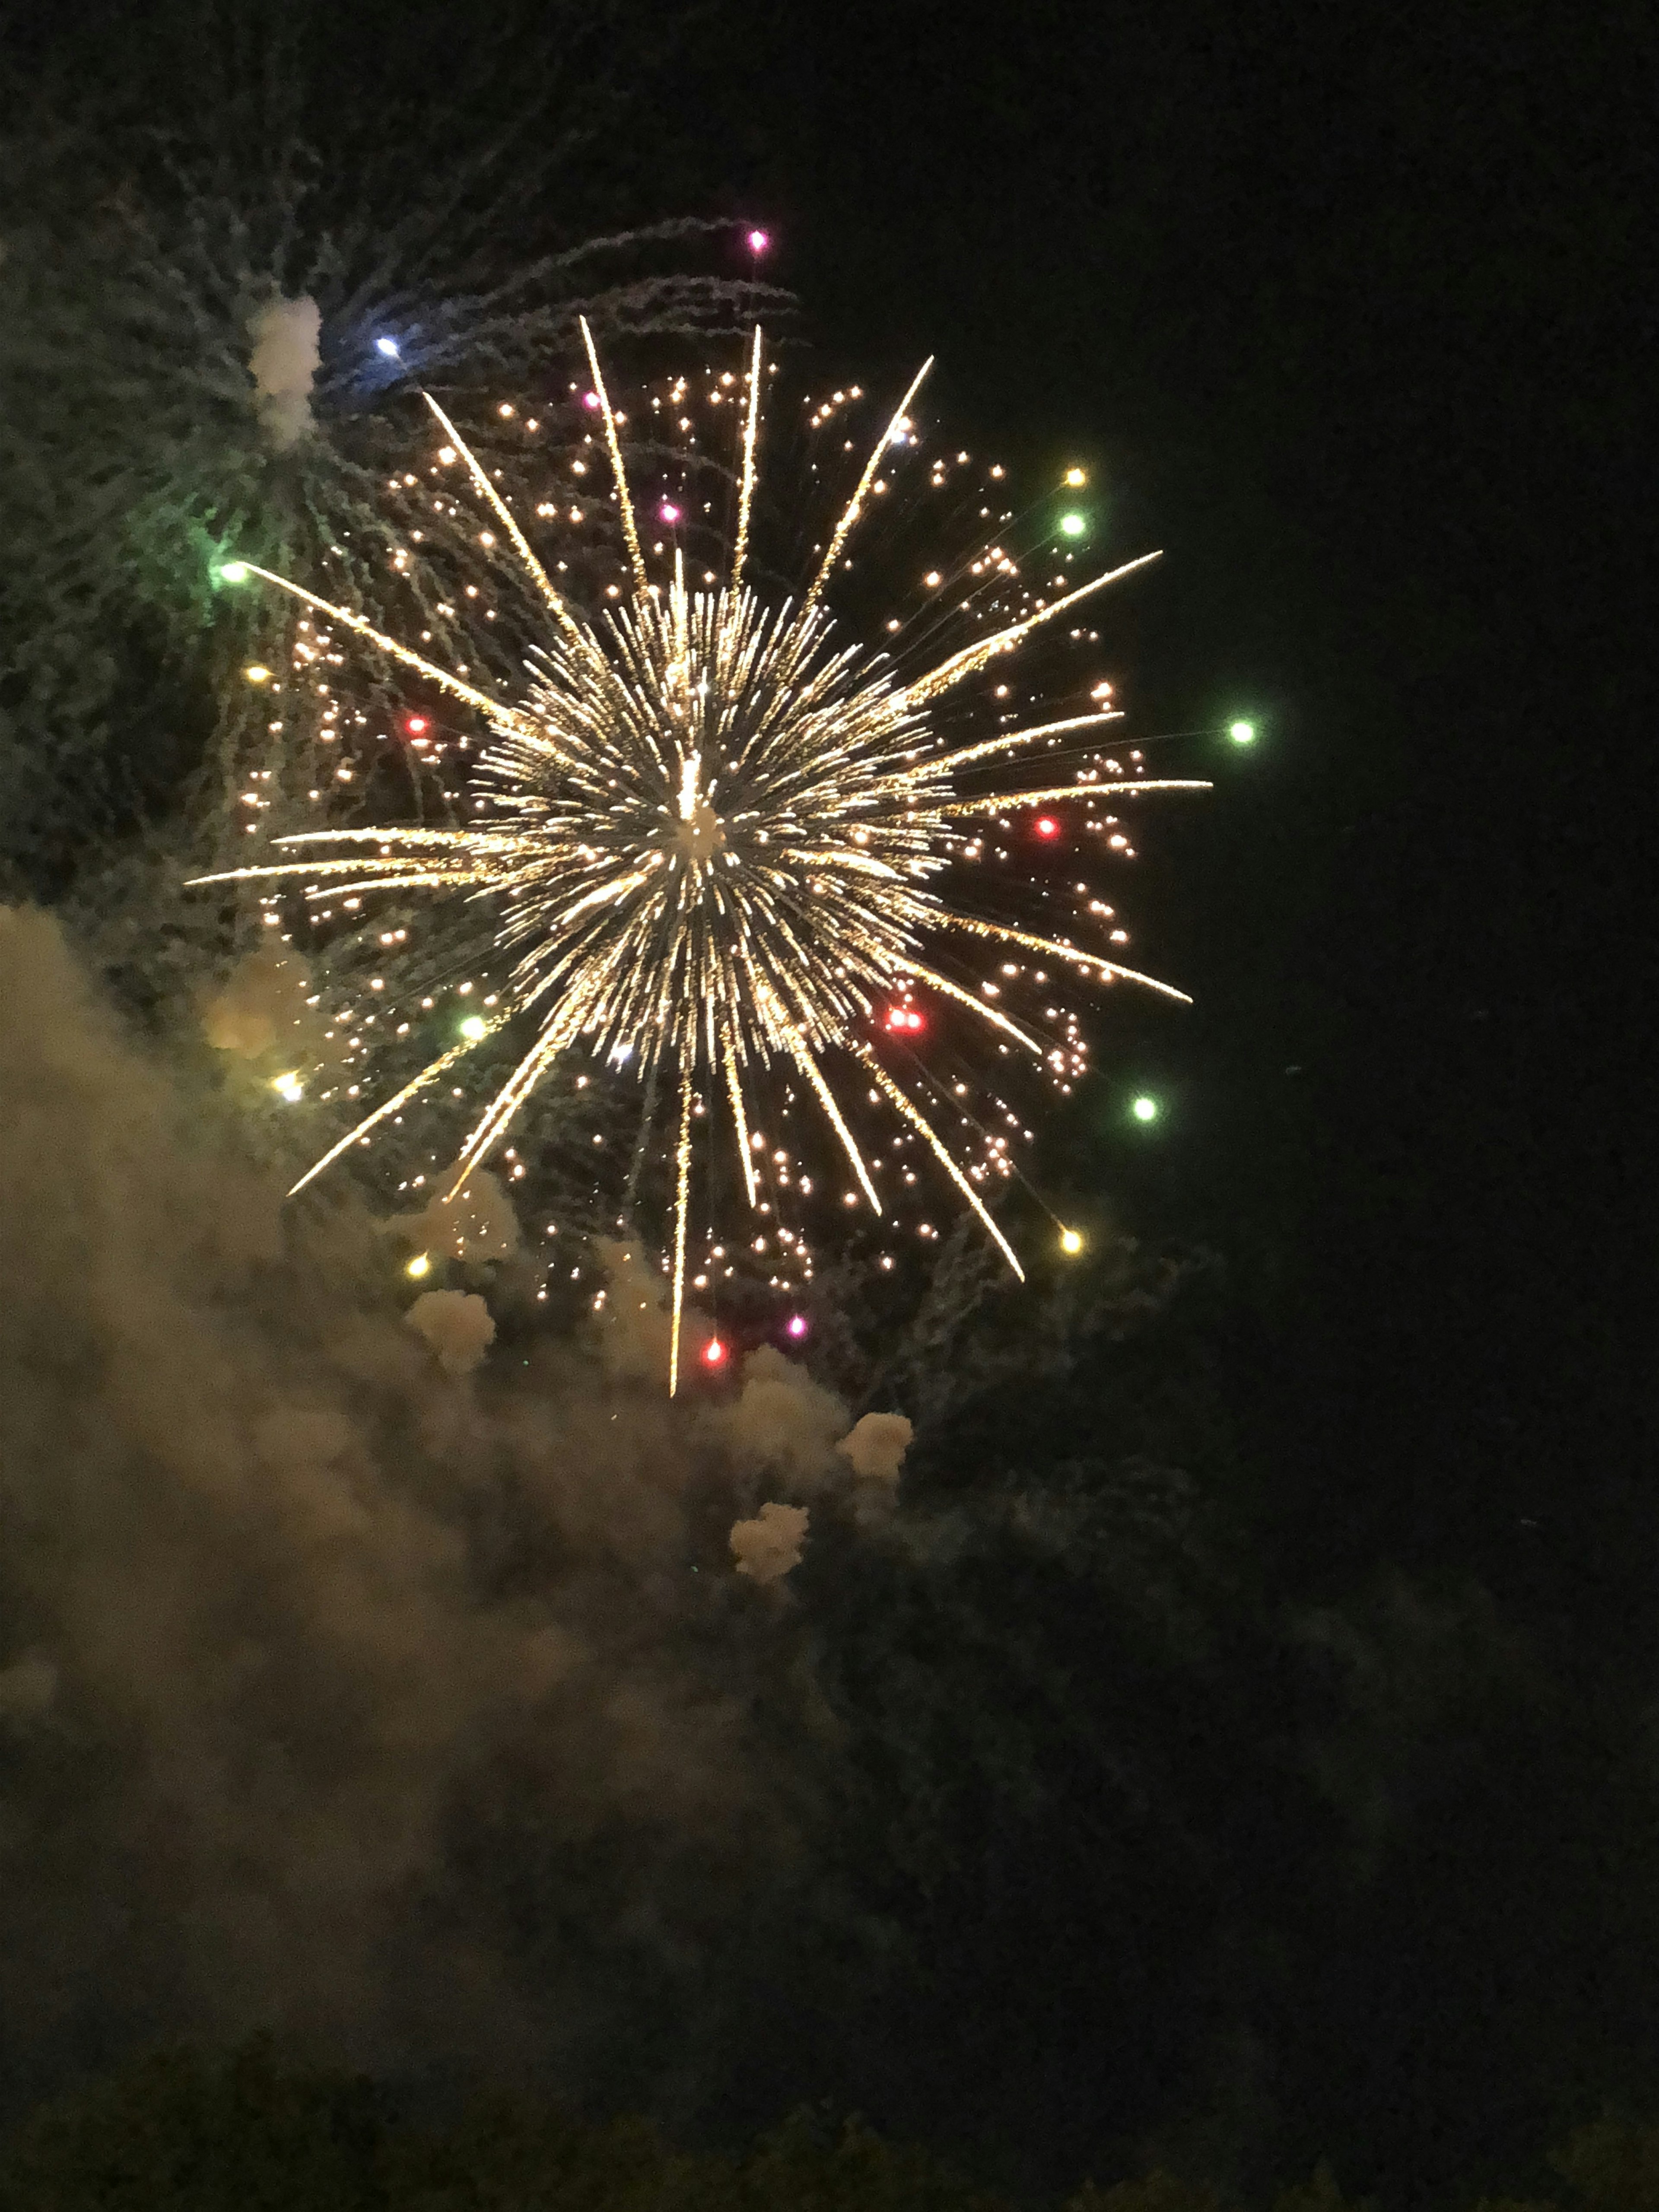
{"x": 766, "y": 1547}
{"x": 261, "y": 1003}
{"x": 283, "y": 365}
{"x": 877, "y": 1446}
{"x": 478, "y": 1223}
{"x": 458, "y": 1325}
{"x": 784, "y": 1421}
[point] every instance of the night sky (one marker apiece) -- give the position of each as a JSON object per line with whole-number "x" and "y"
{"x": 1348, "y": 310}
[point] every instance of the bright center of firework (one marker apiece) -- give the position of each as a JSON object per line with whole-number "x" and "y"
{"x": 1071, "y": 1242}
{"x": 473, "y": 1027}
{"x": 1075, "y": 479}
{"x": 289, "y": 1087}
{"x": 1144, "y": 1109}
{"x": 1241, "y": 733}
{"x": 713, "y": 1353}
{"x": 419, "y": 1266}
{"x": 1073, "y": 525}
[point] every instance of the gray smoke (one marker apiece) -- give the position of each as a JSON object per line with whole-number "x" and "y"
{"x": 403, "y": 1702}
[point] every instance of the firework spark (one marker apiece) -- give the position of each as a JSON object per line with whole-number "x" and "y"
{"x": 720, "y": 842}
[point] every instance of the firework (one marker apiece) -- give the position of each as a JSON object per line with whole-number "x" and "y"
{"x": 204, "y": 238}
{"x": 724, "y": 844}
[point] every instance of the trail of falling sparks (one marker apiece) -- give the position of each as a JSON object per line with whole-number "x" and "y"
{"x": 713, "y": 836}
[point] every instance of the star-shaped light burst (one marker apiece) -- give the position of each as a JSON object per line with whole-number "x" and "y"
{"x": 714, "y": 837}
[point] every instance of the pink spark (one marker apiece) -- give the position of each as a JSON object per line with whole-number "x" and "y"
{"x": 1047, "y": 826}
{"x": 669, "y": 512}
{"x": 797, "y": 1324}
{"x": 590, "y": 399}
{"x": 758, "y": 242}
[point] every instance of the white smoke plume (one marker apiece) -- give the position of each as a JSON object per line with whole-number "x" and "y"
{"x": 458, "y": 1325}
{"x": 476, "y": 1225}
{"x": 877, "y": 1446}
{"x": 285, "y": 356}
{"x": 261, "y": 1006}
{"x": 767, "y": 1548}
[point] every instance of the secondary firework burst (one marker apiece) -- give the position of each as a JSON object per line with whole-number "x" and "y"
{"x": 224, "y": 263}
{"x": 723, "y": 843}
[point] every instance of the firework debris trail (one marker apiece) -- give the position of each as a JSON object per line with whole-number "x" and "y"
{"x": 714, "y": 837}
{"x": 192, "y": 285}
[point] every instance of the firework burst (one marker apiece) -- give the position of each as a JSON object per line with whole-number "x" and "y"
{"x": 722, "y": 842}
{"x": 222, "y": 269}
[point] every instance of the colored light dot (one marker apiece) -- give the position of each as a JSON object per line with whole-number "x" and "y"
{"x": 1047, "y": 826}
{"x": 474, "y": 1027}
{"x": 590, "y": 399}
{"x": 713, "y": 1351}
{"x": 233, "y": 571}
{"x": 1241, "y": 733}
{"x": 758, "y": 242}
{"x": 797, "y": 1324}
{"x": 669, "y": 512}
{"x": 289, "y": 1087}
{"x": 419, "y": 1266}
{"x": 387, "y": 346}
{"x": 1073, "y": 525}
{"x": 1076, "y": 479}
{"x": 1071, "y": 1241}
{"x": 416, "y": 725}
{"x": 1144, "y": 1109}
{"x": 257, "y": 674}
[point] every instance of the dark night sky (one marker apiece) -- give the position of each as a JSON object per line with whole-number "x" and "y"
{"x": 1346, "y": 306}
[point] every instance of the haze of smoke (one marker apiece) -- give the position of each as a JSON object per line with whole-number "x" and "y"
{"x": 767, "y": 1548}
{"x": 409, "y": 1713}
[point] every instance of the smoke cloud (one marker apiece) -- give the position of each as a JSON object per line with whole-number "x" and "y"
{"x": 767, "y": 1548}
{"x": 283, "y": 362}
{"x": 477, "y": 1224}
{"x": 877, "y": 1446}
{"x": 406, "y": 1703}
{"x": 457, "y": 1324}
